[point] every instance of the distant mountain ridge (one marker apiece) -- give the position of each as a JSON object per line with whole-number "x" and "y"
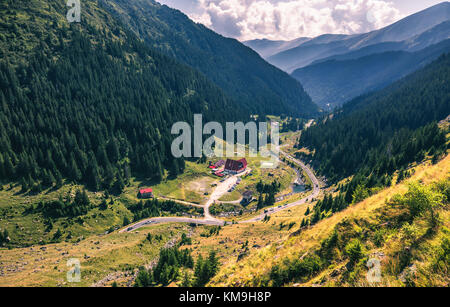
{"x": 336, "y": 68}
{"x": 328, "y": 45}
{"x": 430, "y": 37}
{"x": 267, "y": 48}
{"x": 333, "y": 82}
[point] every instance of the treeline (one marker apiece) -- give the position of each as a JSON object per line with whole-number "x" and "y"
{"x": 79, "y": 205}
{"x": 167, "y": 269}
{"x": 4, "y": 237}
{"x": 384, "y": 131}
{"x": 267, "y": 193}
{"x": 292, "y": 124}
{"x": 360, "y": 187}
{"x": 90, "y": 108}
{"x": 155, "y": 207}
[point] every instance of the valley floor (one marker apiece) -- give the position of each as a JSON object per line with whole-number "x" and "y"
{"x": 248, "y": 246}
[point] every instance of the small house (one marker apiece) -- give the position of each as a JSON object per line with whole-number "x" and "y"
{"x": 247, "y": 197}
{"x": 145, "y": 193}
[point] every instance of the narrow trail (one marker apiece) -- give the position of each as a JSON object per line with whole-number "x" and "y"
{"x": 220, "y": 190}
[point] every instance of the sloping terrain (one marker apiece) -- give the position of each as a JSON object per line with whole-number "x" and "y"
{"x": 238, "y": 70}
{"x": 89, "y": 102}
{"x": 335, "y": 81}
{"x": 386, "y": 217}
{"x": 385, "y": 130}
{"x": 267, "y": 48}
{"x": 412, "y": 250}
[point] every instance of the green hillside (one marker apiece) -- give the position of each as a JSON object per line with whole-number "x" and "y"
{"x": 237, "y": 69}
{"x": 386, "y": 130}
{"x": 90, "y": 102}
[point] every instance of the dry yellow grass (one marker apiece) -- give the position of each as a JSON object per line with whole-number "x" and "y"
{"x": 99, "y": 255}
{"x": 260, "y": 262}
{"x": 115, "y": 253}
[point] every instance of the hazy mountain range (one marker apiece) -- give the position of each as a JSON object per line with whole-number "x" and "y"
{"x": 329, "y": 66}
{"x": 334, "y": 82}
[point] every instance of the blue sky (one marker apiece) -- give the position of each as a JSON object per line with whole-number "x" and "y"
{"x": 289, "y": 19}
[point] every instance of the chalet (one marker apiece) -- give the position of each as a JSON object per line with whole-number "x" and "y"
{"x": 145, "y": 193}
{"x": 235, "y": 167}
{"x": 247, "y": 197}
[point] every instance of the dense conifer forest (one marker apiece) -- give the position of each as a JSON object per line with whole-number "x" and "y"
{"x": 376, "y": 136}
{"x": 385, "y": 131}
{"x": 171, "y": 261}
{"x": 238, "y": 70}
{"x": 90, "y": 102}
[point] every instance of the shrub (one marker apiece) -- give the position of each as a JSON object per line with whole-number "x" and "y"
{"x": 419, "y": 200}
{"x": 354, "y": 250}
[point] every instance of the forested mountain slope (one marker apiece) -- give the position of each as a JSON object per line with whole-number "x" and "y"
{"x": 384, "y": 131}
{"x": 386, "y": 223}
{"x": 237, "y": 69}
{"x": 333, "y": 82}
{"x": 90, "y": 102}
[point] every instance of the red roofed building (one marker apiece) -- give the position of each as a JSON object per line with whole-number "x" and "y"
{"x": 145, "y": 193}
{"x": 235, "y": 167}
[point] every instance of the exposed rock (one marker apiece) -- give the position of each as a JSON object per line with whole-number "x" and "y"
{"x": 408, "y": 273}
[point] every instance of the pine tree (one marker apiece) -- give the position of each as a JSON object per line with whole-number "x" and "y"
{"x": 186, "y": 280}
{"x": 75, "y": 173}
{"x": 307, "y": 211}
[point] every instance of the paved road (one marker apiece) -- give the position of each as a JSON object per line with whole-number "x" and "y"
{"x": 218, "y": 192}
{"x": 221, "y": 189}
{"x": 163, "y": 220}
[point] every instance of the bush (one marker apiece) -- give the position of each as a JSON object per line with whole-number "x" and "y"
{"x": 378, "y": 238}
{"x": 297, "y": 269}
{"x": 420, "y": 200}
{"x": 354, "y": 250}
{"x": 360, "y": 194}
{"x": 442, "y": 259}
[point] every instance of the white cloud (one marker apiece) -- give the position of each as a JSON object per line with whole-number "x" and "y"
{"x": 289, "y": 19}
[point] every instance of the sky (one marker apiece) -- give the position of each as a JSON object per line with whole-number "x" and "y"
{"x": 290, "y": 19}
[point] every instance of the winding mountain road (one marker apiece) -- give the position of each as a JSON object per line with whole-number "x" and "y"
{"x": 220, "y": 190}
